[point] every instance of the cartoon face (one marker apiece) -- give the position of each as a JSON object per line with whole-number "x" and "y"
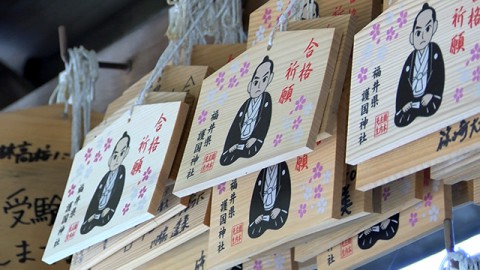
{"x": 119, "y": 154}
{"x": 424, "y": 30}
{"x": 260, "y": 80}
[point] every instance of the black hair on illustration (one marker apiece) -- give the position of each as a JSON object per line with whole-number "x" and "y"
{"x": 125, "y": 135}
{"x": 425, "y": 7}
{"x": 266, "y": 59}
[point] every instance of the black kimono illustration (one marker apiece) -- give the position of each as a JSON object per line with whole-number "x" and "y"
{"x": 104, "y": 202}
{"x": 270, "y": 200}
{"x": 260, "y": 129}
{"x": 251, "y": 123}
{"x": 384, "y": 230}
{"x": 95, "y": 209}
{"x": 422, "y": 81}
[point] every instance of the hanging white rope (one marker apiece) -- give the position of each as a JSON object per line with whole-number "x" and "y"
{"x": 231, "y": 22}
{"x": 60, "y": 93}
{"x": 172, "y": 49}
{"x": 222, "y": 22}
{"x": 76, "y": 85}
{"x": 205, "y": 18}
{"x": 465, "y": 262}
{"x": 307, "y": 10}
{"x": 290, "y": 12}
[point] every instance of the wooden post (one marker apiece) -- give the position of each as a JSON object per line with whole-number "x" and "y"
{"x": 476, "y": 191}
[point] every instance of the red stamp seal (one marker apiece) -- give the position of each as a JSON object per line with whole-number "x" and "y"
{"x": 346, "y": 248}
{"x": 237, "y": 234}
{"x": 208, "y": 162}
{"x": 71, "y": 231}
{"x": 381, "y": 124}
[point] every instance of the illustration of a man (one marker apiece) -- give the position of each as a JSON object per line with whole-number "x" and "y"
{"x": 270, "y": 200}
{"x": 422, "y": 81}
{"x": 250, "y": 126}
{"x": 105, "y": 200}
{"x": 384, "y": 230}
{"x": 310, "y": 6}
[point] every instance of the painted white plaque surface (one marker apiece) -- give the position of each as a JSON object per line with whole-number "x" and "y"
{"x": 416, "y": 70}
{"x": 116, "y": 181}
